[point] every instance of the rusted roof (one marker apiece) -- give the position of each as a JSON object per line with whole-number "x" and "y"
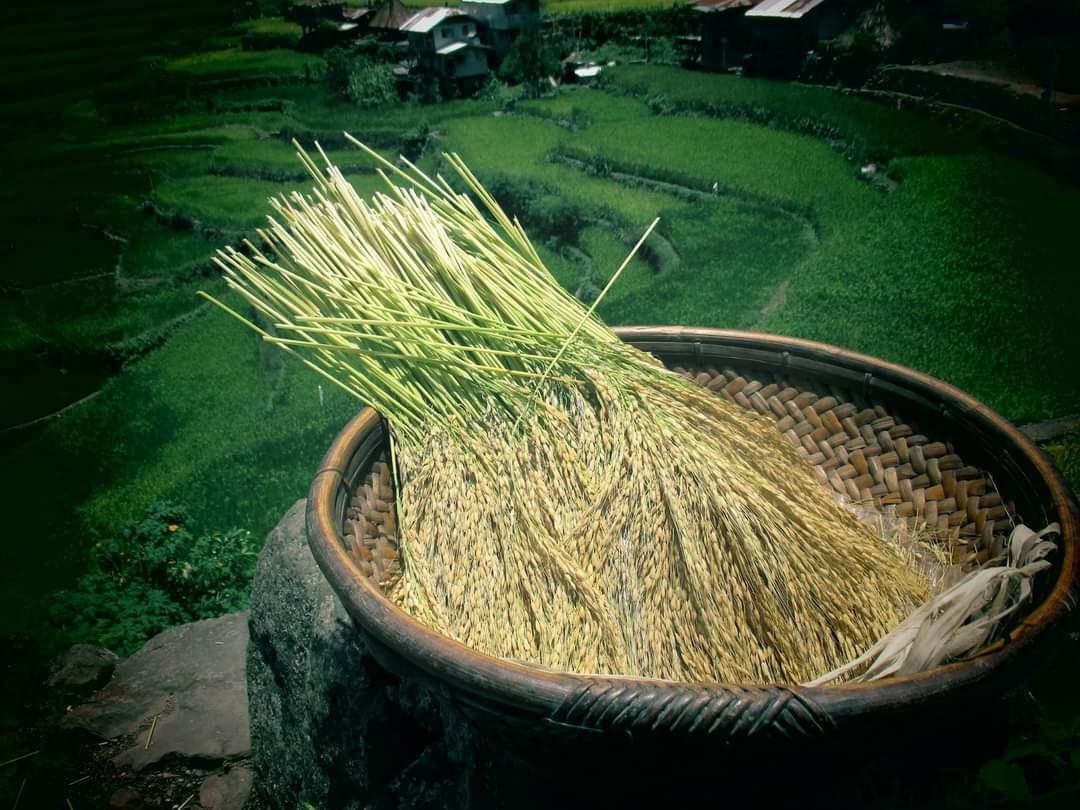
{"x": 390, "y": 16}
{"x": 787, "y": 9}
{"x": 424, "y": 20}
{"x": 709, "y": 6}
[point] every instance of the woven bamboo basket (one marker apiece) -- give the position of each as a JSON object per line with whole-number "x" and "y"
{"x": 875, "y": 431}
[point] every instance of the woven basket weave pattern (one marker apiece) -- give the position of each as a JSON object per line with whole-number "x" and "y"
{"x": 858, "y": 448}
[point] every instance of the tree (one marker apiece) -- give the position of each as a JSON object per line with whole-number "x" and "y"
{"x": 531, "y": 60}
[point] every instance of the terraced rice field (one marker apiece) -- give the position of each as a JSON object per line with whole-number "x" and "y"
{"x": 960, "y": 270}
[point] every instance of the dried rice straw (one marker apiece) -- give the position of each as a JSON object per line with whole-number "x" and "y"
{"x": 563, "y": 499}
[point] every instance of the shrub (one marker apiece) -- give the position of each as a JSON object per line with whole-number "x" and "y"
{"x": 553, "y": 214}
{"x": 1066, "y": 455}
{"x": 500, "y": 93}
{"x": 371, "y": 85}
{"x": 415, "y": 141}
{"x": 850, "y": 65}
{"x": 531, "y": 60}
{"x": 361, "y": 74}
{"x": 155, "y": 574}
{"x": 426, "y": 90}
{"x": 545, "y": 211}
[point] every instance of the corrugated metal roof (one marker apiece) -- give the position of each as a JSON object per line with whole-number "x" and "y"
{"x": 423, "y": 21}
{"x": 785, "y": 9}
{"x": 454, "y": 47}
{"x": 709, "y": 6}
{"x": 390, "y": 16}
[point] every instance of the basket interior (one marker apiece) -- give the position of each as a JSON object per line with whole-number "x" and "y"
{"x": 861, "y": 449}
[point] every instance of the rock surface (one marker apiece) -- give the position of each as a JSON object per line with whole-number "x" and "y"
{"x": 226, "y": 791}
{"x": 329, "y": 726}
{"x": 82, "y": 669}
{"x": 182, "y": 696}
{"x": 126, "y": 799}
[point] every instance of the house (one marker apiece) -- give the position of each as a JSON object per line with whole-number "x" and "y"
{"x": 445, "y": 43}
{"x": 311, "y": 14}
{"x": 355, "y": 21}
{"x": 388, "y": 19}
{"x": 784, "y": 31}
{"x": 725, "y": 36}
{"x": 502, "y": 21}
{"x": 820, "y": 19}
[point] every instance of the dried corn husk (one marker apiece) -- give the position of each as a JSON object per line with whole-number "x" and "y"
{"x": 962, "y": 619}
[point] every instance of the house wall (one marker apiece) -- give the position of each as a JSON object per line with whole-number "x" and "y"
{"x": 513, "y": 15}
{"x": 779, "y": 46}
{"x": 466, "y": 63}
{"x": 724, "y": 39}
{"x": 461, "y": 64}
{"x": 502, "y": 22}
{"x": 455, "y": 29}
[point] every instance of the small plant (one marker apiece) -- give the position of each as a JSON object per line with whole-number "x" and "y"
{"x": 500, "y": 93}
{"x": 1065, "y": 453}
{"x": 154, "y": 574}
{"x": 532, "y": 60}
{"x": 371, "y": 84}
{"x": 416, "y": 141}
{"x": 361, "y": 75}
{"x": 1041, "y": 761}
{"x": 661, "y": 104}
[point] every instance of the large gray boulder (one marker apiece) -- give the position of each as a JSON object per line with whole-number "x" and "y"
{"x": 81, "y": 670}
{"x": 328, "y": 725}
{"x": 183, "y": 696}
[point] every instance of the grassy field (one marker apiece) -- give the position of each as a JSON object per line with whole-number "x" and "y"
{"x": 761, "y": 227}
{"x": 960, "y": 271}
{"x": 878, "y": 131}
{"x": 235, "y": 65}
{"x": 115, "y": 200}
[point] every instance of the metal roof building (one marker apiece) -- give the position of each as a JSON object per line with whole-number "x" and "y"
{"x": 424, "y": 20}
{"x": 713, "y": 6}
{"x": 784, "y": 9}
{"x": 390, "y": 16}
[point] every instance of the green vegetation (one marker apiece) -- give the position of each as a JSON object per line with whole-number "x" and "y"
{"x": 235, "y": 65}
{"x": 269, "y": 25}
{"x": 531, "y": 60}
{"x": 154, "y": 574}
{"x": 276, "y": 160}
{"x": 764, "y": 224}
{"x": 601, "y": 6}
{"x": 864, "y": 130}
{"x": 952, "y": 250}
{"x": 963, "y": 270}
{"x": 226, "y": 204}
{"x": 1065, "y": 453}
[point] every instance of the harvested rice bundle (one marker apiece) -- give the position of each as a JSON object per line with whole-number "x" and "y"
{"x": 563, "y": 499}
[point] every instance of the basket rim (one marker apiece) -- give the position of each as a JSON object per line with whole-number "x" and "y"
{"x": 524, "y": 689}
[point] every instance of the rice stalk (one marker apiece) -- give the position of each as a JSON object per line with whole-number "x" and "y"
{"x": 563, "y": 498}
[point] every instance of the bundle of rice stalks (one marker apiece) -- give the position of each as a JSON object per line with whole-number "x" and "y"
{"x": 563, "y": 499}
{"x": 962, "y": 619}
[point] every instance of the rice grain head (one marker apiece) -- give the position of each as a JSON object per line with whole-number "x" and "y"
{"x": 563, "y": 498}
